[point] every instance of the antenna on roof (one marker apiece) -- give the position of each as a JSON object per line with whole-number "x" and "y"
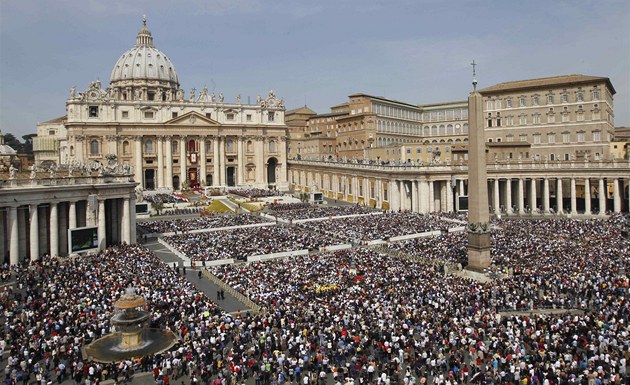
{"x": 474, "y": 81}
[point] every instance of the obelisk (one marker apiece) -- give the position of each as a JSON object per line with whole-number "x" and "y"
{"x": 478, "y": 216}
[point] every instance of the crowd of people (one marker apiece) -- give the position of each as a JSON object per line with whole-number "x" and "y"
{"x": 209, "y": 221}
{"x": 385, "y": 226}
{"x": 296, "y": 211}
{"x": 355, "y": 316}
{"x": 241, "y": 243}
{"x": 254, "y": 192}
{"x": 163, "y": 198}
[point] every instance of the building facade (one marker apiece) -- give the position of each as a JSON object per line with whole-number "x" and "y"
{"x": 171, "y": 140}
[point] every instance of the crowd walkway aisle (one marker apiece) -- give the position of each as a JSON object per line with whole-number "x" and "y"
{"x": 230, "y": 304}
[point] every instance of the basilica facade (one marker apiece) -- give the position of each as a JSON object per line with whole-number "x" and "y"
{"x": 169, "y": 138}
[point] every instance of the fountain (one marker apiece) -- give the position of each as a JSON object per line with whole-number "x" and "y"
{"x": 132, "y": 338}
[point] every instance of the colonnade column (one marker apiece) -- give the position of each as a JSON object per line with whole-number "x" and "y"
{"x": 431, "y": 197}
{"x": 508, "y": 196}
{"x": 521, "y": 197}
{"x": 587, "y": 196}
{"x": 160, "y": 162}
{"x": 34, "y": 233}
{"x": 132, "y": 219}
{"x": 126, "y": 228}
{"x": 602, "y": 197}
{"x": 545, "y": 196}
{"x": 72, "y": 215}
{"x": 14, "y": 248}
{"x": 497, "y": 205}
{"x": 449, "y": 196}
{"x": 216, "y": 181}
{"x": 559, "y": 196}
{"x": 203, "y": 168}
{"x": 182, "y": 162}
{"x": 573, "y": 197}
{"x": 138, "y": 158}
{"x": 283, "y": 161}
{"x": 101, "y": 224}
{"x": 169, "y": 162}
{"x": 54, "y": 230}
{"x": 616, "y": 196}
{"x": 532, "y": 197}
{"x": 240, "y": 161}
{"x": 414, "y": 196}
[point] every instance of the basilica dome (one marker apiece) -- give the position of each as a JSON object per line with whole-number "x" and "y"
{"x": 144, "y": 65}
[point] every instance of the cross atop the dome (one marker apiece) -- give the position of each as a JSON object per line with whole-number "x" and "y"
{"x": 144, "y": 20}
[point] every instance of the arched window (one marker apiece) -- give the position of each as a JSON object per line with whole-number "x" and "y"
{"x": 449, "y": 129}
{"x": 192, "y": 147}
{"x": 272, "y": 146}
{"x": 94, "y": 147}
{"x": 434, "y": 130}
{"x": 72, "y": 150}
{"x": 125, "y": 148}
{"x": 250, "y": 146}
{"x": 174, "y": 147}
{"x": 208, "y": 145}
{"x": 427, "y": 131}
{"x": 442, "y": 129}
{"x": 465, "y": 128}
{"x": 148, "y": 146}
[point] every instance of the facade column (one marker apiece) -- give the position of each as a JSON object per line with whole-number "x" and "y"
{"x": 139, "y": 177}
{"x": 260, "y": 166}
{"x": 559, "y": 196}
{"x": 14, "y": 245}
{"x": 72, "y": 215}
{"x": 496, "y": 201}
{"x": 414, "y": 196}
{"x": 216, "y": 181}
{"x": 532, "y": 197}
{"x": 222, "y": 161}
{"x": 34, "y": 233}
{"x": 282, "y": 178}
{"x": 101, "y": 224}
{"x": 240, "y": 161}
{"x": 203, "y": 167}
{"x": 521, "y": 197}
{"x": 126, "y": 229}
{"x": 508, "y": 196}
{"x": 545, "y": 195}
{"x": 160, "y": 161}
{"x": 54, "y": 230}
{"x": 587, "y": 196}
{"x": 602, "y": 197}
{"x": 573, "y": 197}
{"x": 616, "y": 195}
{"x": 169, "y": 162}
{"x": 182, "y": 162}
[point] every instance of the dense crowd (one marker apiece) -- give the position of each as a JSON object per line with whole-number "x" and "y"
{"x": 353, "y": 316}
{"x": 209, "y": 221}
{"x": 241, "y": 243}
{"x": 383, "y": 226}
{"x": 294, "y": 211}
{"x": 254, "y": 192}
{"x": 445, "y": 249}
{"x": 163, "y": 198}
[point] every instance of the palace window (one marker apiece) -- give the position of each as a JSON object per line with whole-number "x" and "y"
{"x": 93, "y": 111}
{"x": 580, "y": 97}
{"x": 580, "y": 137}
{"x": 597, "y": 136}
{"x": 536, "y": 119}
{"x": 271, "y": 116}
{"x": 549, "y": 99}
{"x": 173, "y": 115}
{"x": 534, "y": 100}
{"x": 521, "y": 102}
{"x": 566, "y": 137}
{"x": 522, "y": 137}
{"x": 229, "y": 116}
{"x": 551, "y": 138}
{"x": 248, "y": 117}
{"x": 536, "y": 138}
{"x": 125, "y": 114}
{"x": 94, "y": 147}
{"x": 148, "y": 114}
{"x": 565, "y": 98}
{"x": 595, "y": 95}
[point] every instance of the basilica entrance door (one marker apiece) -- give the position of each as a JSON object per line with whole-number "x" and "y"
{"x": 149, "y": 179}
{"x": 230, "y": 176}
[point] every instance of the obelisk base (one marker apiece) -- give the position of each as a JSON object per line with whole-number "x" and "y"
{"x": 478, "y": 251}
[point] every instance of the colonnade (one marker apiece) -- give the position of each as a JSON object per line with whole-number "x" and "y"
{"x": 430, "y": 189}
{"x": 509, "y": 195}
{"x": 35, "y": 220}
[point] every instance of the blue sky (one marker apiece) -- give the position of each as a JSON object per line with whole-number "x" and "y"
{"x": 309, "y": 52}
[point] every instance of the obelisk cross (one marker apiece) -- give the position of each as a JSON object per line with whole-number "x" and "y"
{"x": 474, "y": 82}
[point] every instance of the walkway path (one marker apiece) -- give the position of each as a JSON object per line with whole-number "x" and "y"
{"x": 230, "y": 304}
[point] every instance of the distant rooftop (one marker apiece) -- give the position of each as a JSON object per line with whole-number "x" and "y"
{"x": 546, "y": 82}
